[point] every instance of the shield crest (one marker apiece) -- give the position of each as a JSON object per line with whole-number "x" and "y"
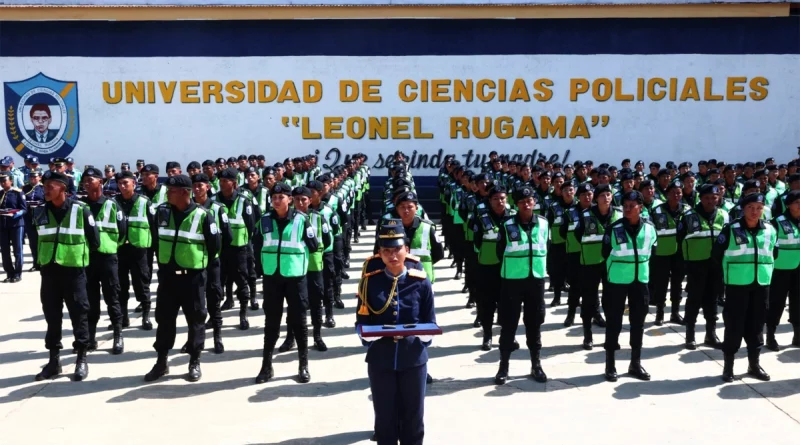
{"x": 42, "y": 116}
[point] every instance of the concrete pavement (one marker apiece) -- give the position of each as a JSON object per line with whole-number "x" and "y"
{"x": 686, "y": 402}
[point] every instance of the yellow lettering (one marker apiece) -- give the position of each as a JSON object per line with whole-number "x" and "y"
{"x": 459, "y": 126}
{"x": 651, "y": 88}
{"x": 476, "y": 127}
{"x": 544, "y": 93}
{"x": 234, "y": 90}
{"x": 379, "y": 127}
{"x": 404, "y": 93}
{"x": 759, "y": 87}
{"x": 601, "y": 89}
{"x": 557, "y": 129}
{"x": 348, "y": 91}
{"x": 356, "y": 127}
{"x": 333, "y": 127}
{"x": 267, "y": 91}
{"x": 690, "y": 90}
{"x": 306, "y": 132}
{"x": 135, "y": 91}
{"x": 400, "y": 127}
{"x": 504, "y": 127}
{"x": 462, "y": 90}
{"x": 527, "y": 129}
{"x": 481, "y": 93}
{"x": 440, "y": 90}
{"x": 579, "y": 128}
{"x": 418, "y": 133}
{"x": 708, "y": 93}
{"x": 519, "y": 91}
{"x": 576, "y": 87}
{"x": 733, "y": 89}
{"x": 312, "y": 91}
{"x": 212, "y": 89}
{"x": 618, "y": 94}
{"x": 116, "y": 97}
{"x": 151, "y": 92}
{"x": 288, "y": 93}
{"x": 372, "y": 90}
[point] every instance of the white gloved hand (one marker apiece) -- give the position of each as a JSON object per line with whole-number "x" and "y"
{"x": 425, "y": 338}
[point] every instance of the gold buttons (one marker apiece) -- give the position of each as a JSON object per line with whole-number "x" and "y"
{"x": 394, "y": 313}
{"x": 394, "y": 303}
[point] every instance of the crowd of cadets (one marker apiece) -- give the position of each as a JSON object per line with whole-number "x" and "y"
{"x": 217, "y": 225}
{"x": 730, "y": 230}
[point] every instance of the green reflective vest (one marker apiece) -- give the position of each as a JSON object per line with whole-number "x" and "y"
{"x": 667, "y": 228}
{"x": 63, "y": 244}
{"x": 284, "y": 253}
{"x": 317, "y": 222}
{"x": 217, "y": 209}
{"x": 788, "y": 244}
{"x": 160, "y": 197}
{"x": 592, "y": 239}
{"x": 559, "y": 215}
{"x": 420, "y": 246}
{"x": 487, "y": 254}
{"x": 138, "y": 225}
{"x": 184, "y": 246}
{"x": 748, "y": 259}
{"x": 572, "y": 218}
{"x": 700, "y": 234}
{"x": 107, "y": 227}
{"x": 630, "y": 258}
{"x": 327, "y": 227}
{"x": 525, "y": 255}
{"x": 240, "y": 235}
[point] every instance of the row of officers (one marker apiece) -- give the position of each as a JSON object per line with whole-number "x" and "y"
{"x": 638, "y": 249}
{"x": 295, "y": 236}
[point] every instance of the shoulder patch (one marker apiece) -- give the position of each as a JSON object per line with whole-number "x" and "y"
{"x": 374, "y": 272}
{"x": 417, "y": 273}
{"x": 410, "y": 257}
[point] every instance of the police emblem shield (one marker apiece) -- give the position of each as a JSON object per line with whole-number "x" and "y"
{"x": 42, "y": 116}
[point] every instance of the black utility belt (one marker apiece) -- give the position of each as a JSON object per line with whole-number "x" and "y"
{"x": 183, "y": 271}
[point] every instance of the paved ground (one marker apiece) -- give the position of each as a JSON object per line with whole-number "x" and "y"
{"x": 686, "y": 401}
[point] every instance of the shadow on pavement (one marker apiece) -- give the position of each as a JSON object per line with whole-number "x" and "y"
{"x": 754, "y": 389}
{"x": 334, "y": 439}
{"x": 312, "y": 389}
{"x": 162, "y": 391}
{"x": 635, "y": 389}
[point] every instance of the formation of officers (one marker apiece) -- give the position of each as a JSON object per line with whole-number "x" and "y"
{"x": 220, "y": 224}
{"x": 730, "y": 230}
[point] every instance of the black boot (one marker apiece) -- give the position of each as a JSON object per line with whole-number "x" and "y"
{"x": 346, "y": 275}
{"x": 487, "y": 341}
{"x": 754, "y": 369}
{"x": 159, "y": 369}
{"x": 796, "y": 335}
{"x": 599, "y": 320}
{"x": 119, "y": 344}
{"x": 772, "y": 343}
{"x": 536, "y": 367}
{"x": 194, "y": 368}
{"x": 219, "y": 348}
{"x": 588, "y": 342}
{"x": 302, "y": 373}
{"x": 288, "y": 344}
{"x": 92, "y": 338}
{"x": 502, "y": 373}
{"x": 556, "y": 299}
{"x": 228, "y": 304}
{"x": 123, "y": 307}
{"x": 243, "y": 323}
{"x": 711, "y": 338}
{"x": 138, "y": 309}
{"x": 635, "y": 369}
{"x": 727, "y": 370}
{"x": 209, "y": 324}
{"x": 146, "y": 324}
{"x": 570, "y": 320}
{"x": 611, "y": 368}
{"x": 329, "y": 321}
{"x": 185, "y": 347}
{"x": 253, "y": 301}
{"x": 52, "y": 368}
{"x": 266, "y": 371}
{"x": 477, "y": 322}
{"x": 464, "y": 289}
{"x": 691, "y": 344}
{"x": 319, "y": 345}
{"x": 675, "y": 315}
{"x": 659, "y": 315}
{"x": 126, "y": 321}
{"x": 337, "y": 301}
{"x": 81, "y": 367}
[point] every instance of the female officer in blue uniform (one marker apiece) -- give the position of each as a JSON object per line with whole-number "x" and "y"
{"x": 397, "y": 366}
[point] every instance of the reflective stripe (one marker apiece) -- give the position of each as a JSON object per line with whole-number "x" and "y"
{"x": 629, "y": 251}
{"x": 166, "y": 232}
{"x": 490, "y": 236}
{"x": 789, "y": 241}
{"x": 192, "y": 234}
{"x": 238, "y": 219}
{"x": 592, "y": 238}
{"x": 140, "y": 216}
{"x": 666, "y": 232}
{"x": 700, "y": 234}
{"x": 425, "y": 239}
{"x": 104, "y": 219}
{"x": 747, "y": 251}
{"x": 71, "y": 230}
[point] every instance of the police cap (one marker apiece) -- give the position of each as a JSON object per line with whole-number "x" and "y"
{"x": 663, "y": 172}
{"x": 632, "y": 196}
{"x": 301, "y": 191}
{"x": 125, "y": 174}
{"x": 646, "y": 183}
{"x": 241, "y": 158}
{"x": 173, "y": 164}
{"x": 220, "y": 161}
{"x": 709, "y": 189}
{"x": 139, "y": 162}
{"x": 150, "y": 168}
{"x": 497, "y": 189}
{"x": 208, "y": 163}
{"x": 627, "y": 176}
{"x": 228, "y": 173}
{"x": 56, "y": 176}
{"x": 523, "y": 192}
{"x": 231, "y": 160}
{"x": 33, "y": 160}
{"x": 70, "y": 160}
{"x": 281, "y": 188}
{"x": 200, "y": 177}
{"x": 34, "y": 173}
{"x": 58, "y": 160}
{"x": 713, "y": 171}
{"x": 603, "y": 172}
{"x": 316, "y": 185}
{"x": 751, "y": 198}
{"x": 792, "y": 196}
{"x": 602, "y": 188}
{"x": 794, "y": 177}
{"x": 687, "y": 175}
{"x": 268, "y": 171}
{"x": 586, "y": 187}
{"x": 93, "y": 173}
{"x": 251, "y": 170}
{"x": 760, "y": 173}
{"x": 179, "y": 181}
{"x": 5, "y": 162}
{"x": 260, "y": 158}
{"x": 408, "y": 196}
{"x": 655, "y": 165}
{"x": 674, "y": 185}
{"x": 751, "y": 184}
{"x": 702, "y": 163}
{"x": 194, "y": 164}
{"x": 392, "y": 234}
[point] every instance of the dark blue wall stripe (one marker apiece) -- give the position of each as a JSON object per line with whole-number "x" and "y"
{"x": 401, "y": 37}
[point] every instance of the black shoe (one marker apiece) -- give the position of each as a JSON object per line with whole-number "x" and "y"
{"x": 515, "y": 346}
{"x": 487, "y": 343}
{"x": 599, "y": 320}
{"x": 118, "y": 346}
{"x": 611, "y": 369}
{"x": 159, "y": 370}
{"x": 138, "y": 309}
{"x": 219, "y": 348}
{"x": 346, "y": 266}
{"x": 287, "y": 345}
{"x": 570, "y": 320}
{"x": 711, "y": 338}
{"x": 228, "y": 304}
{"x": 588, "y": 342}
{"x": 675, "y": 315}
{"x": 428, "y": 379}
{"x": 330, "y": 322}
{"x": 727, "y": 369}
{"x": 7, "y": 280}
{"x": 659, "y": 316}
{"x": 373, "y": 438}
{"x": 194, "y": 369}
{"x": 146, "y": 324}
{"x": 320, "y": 345}
{"x": 772, "y": 343}
{"x": 345, "y": 275}
{"x": 302, "y": 373}
{"x": 126, "y": 321}
{"x": 796, "y": 339}
{"x": 691, "y": 344}
{"x": 34, "y": 269}
{"x": 92, "y": 346}
{"x": 458, "y": 276}
{"x": 536, "y": 368}
{"x": 636, "y": 370}
{"x": 556, "y": 301}
{"x": 243, "y": 323}
{"x": 185, "y": 348}
{"x": 52, "y": 369}
{"x": 464, "y": 289}
{"x": 502, "y": 374}
{"x": 337, "y": 302}
{"x": 470, "y": 304}
{"x": 756, "y": 371}
{"x": 81, "y": 367}
{"x": 265, "y": 373}
{"x": 355, "y": 240}
{"x": 15, "y": 280}
{"x": 253, "y": 304}
{"x": 476, "y": 323}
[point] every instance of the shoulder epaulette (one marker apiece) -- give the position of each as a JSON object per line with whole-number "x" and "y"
{"x": 15, "y": 189}
{"x": 416, "y": 273}
{"x": 372, "y": 257}
{"x": 413, "y": 258}
{"x": 374, "y": 272}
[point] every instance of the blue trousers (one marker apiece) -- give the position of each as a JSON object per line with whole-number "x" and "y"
{"x": 398, "y": 398}
{"x": 11, "y": 237}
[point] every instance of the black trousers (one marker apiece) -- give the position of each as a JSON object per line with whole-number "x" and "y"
{"x": 252, "y": 272}
{"x": 702, "y": 285}
{"x": 328, "y": 277}
{"x": 316, "y": 294}
{"x": 513, "y": 295}
{"x": 214, "y": 292}
{"x": 666, "y": 270}
{"x": 398, "y": 398}
{"x": 572, "y": 277}
{"x": 176, "y": 291}
{"x": 744, "y": 314}
{"x": 490, "y": 282}
{"x": 103, "y": 274}
{"x": 234, "y": 262}
{"x": 134, "y": 268}
{"x": 338, "y": 263}
{"x": 614, "y": 296}
{"x": 33, "y": 239}
{"x": 589, "y": 286}
{"x": 347, "y": 235}
{"x": 557, "y": 265}
{"x": 258, "y": 244}
{"x": 357, "y": 219}
{"x": 784, "y": 282}
{"x": 457, "y": 245}
{"x": 64, "y": 285}
{"x": 471, "y": 273}
{"x": 294, "y": 291}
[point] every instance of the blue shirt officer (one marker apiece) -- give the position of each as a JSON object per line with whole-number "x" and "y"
{"x": 11, "y": 227}
{"x": 397, "y": 366}
{"x": 34, "y": 197}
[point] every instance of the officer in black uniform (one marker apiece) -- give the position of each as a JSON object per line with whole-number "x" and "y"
{"x": 34, "y": 197}
{"x": 397, "y": 366}
{"x": 283, "y": 283}
{"x": 12, "y": 227}
{"x": 181, "y": 286}
{"x": 64, "y": 283}
{"x": 317, "y": 188}
{"x": 152, "y": 190}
